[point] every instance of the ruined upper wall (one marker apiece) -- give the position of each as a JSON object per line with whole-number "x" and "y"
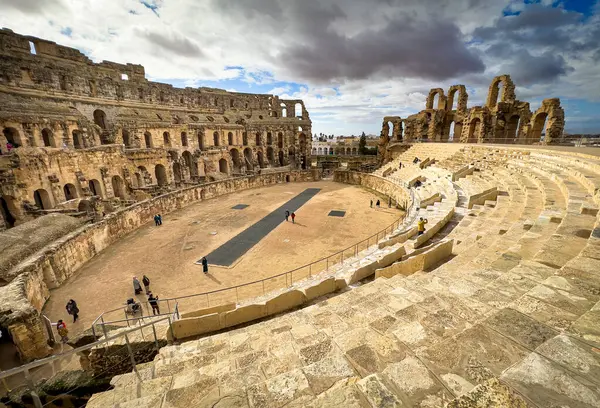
{"x": 58, "y": 70}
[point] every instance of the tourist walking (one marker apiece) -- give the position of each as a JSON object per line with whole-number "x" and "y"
{"x": 153, "y": 300}
{"x": 293, "y": 218}
{"x": 204, "y": 264}
{"x": 156, "y": 220}
{"x": 146, "y": 283}
{"x": 159, "y": 219}
{"x": 9, "y": 146}
{"x": 421, "y": 226}
{"x": 287, "y": 215}
{"x": 378, "y": 203}
{"x": 371, "y": 203}
{"x": 137, "y": 288}
{"x": 72, "y": 309}
{"x": 63, "y": 332}
{"x": 390, "y": 202}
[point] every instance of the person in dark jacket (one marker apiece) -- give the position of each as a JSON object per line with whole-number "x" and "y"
{"x": 146, "y": 282}
{"x": 159, "y": 219}
{"x": 153, "y": 300}
{"x": 204, "y": 265}
{"x": 287, "y": 214}
{"x": 73, "y": 310}
{"x": 156, "y": 220}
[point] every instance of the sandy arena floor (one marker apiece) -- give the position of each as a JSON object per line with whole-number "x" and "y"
{"x": 167, "y": 254}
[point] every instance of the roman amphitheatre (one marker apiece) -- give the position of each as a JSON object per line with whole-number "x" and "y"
{"x": 495, "y": 303}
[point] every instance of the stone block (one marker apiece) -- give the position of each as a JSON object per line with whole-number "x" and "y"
{"x": 285, "y": 301}
{"x": 194, "y": 326}
{"x": 322, "y": 288}
{"x": 210, "y": 310}
{"x": 244, "y": 314}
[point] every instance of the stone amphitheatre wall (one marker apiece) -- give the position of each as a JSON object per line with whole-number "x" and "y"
{"x": 24, "y": 297}
{"x": 79, "y": 129}
{"x": 376, "y": 183}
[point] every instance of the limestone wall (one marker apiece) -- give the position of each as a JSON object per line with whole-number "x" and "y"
{"x": 374, "y": 182}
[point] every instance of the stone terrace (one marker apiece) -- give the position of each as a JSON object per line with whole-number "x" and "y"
{"x": 511, "y": 319}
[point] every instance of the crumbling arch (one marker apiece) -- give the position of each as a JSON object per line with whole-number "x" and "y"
{"x": 248, "y": 158}
{"x": 216, "y": 141}
{"x": 461, "y": 105}
{"x": 474, "y": 130}
{"x": 161, "y": 175}
{"x": 539, "y": 127}
{"x": 100, "y": 118}
{"x": 47, "y": 138}
{"x": 502, "y": 86}
{"x": 70, "y": 191}
{"x": 235, "y": 158}
{"x": 95, "y": 187}
{"x": 283, "y": 110}
{"x": 223, "y": 166}
{"x": 8, "y": 210}
{"x": 177, "y": 172}
{"x": 42, "y": 199}
{"x": 118, "y": 187}
{"x": 12, "y": 136}
{"x": 148, "y": 140}
{"x": 451, "y": 130}
{"x": 435, "y": 95}
{"x": 298, "y": 110}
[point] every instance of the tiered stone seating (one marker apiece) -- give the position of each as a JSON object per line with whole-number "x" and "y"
{"x": 512, "y": 319}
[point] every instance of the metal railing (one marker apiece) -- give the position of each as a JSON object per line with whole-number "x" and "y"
{"x": 39, "y": 370}
{"x": 234, "y": 294}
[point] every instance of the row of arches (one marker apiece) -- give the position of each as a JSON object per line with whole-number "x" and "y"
{"x": 12, "y": 137}
{"x": 348, "y": 151}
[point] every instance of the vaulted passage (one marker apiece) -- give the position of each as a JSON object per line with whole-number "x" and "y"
{"x": 229, "y": 252}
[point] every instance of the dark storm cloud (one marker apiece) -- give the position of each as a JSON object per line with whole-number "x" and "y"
{"x": 527, "y": 69}
{"x": 172, "y": 42}
{"x": 31, "y": 6}
{"x": 431, "y": 50}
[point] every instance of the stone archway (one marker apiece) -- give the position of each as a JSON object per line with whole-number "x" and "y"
{"x": 281, "y": 158}
{"x": 248, "y": 158}
{"x": 8, "y": 211}
{"x": 118, "y": 187}
{"x": 70, "y": 191}
{"x": 177, "y": 172}
{"x": 223, "y": 167}
{"x": 235, "y": 158}
{"x": 161, "y": 175}
{"x": 42, "y": 199}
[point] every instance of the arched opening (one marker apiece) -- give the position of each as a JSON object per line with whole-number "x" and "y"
{"x": 177, "y": 172}
{"x": 248, "y": 158}
{"x": 292, "y": 156}
{"x": 261, "y": 160}
{"x": 354, "y": 151}
{"x": 70, "y": 191}
{"x": 12, "y": 136}
{"x": 287, "y": 178}
{"x": 298, "y": 110}
{"x": 201, "y": 140}
{"x": 302, "y": 142}
{"x": 161, "y": 175}
{"x": 184, "y": 139}
{"x": 8, "y": 211}
{"x": 77, "y": 139}
{"x": 139, "y": 180}
{"x": 258, "y": 141}
{"x": 42, "y": 199}
{"x": 166, "y": 139}
{"x": 216, "y": 139}
{"x": 269, "y": 138}
{"x": 314, "y": 151}
{"x": 118, "y": 187}
{"x": 474, "y": 130}
{"x": 280, "y": 140}
{"x": 126, "y": 138}
{"x": 94, "y": 186}
{"x": 281, "y": 158}
{"x": 538, "y": 133}
{"x": 245, "y": 139}
{"x": 235, "y": 158}
{"x": 47, "y": 137}
{"x": 391, "y": 130}
{"x": 436, "y": 101}
{"x": 190, "y": 164}
{"x": 223, "y": 168}
{"x": 283, "y": 111}
{"x": 100, "y": 118}
{"x": 512, "y": 129}
{"x": 270, "y": 156}
{"x": 148, "y": 140}
{"x": 230, "y": 139}
{"x": 495, "y": 93}
{"x": 331, "y": 151}
{"x": 451, "y": 132}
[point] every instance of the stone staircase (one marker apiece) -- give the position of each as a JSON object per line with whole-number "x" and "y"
{"x": 512, "y": 319}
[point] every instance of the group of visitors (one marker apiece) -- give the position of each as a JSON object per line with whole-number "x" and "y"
{"x": 158, "y": 220}
{"x": 61, "y": 326}
{"x": 377, "y": 204}
{"x": 152, "y": 299}
{"x": 288, "y": 215}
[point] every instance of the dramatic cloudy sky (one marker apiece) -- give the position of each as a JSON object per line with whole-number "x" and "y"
{"x": 351, "y": 61}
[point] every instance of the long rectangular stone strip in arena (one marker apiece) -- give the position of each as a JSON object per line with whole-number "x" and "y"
{"x": 229, "y": 252}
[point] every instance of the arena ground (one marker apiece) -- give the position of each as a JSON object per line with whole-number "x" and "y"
{"x": 167, "y": 254}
